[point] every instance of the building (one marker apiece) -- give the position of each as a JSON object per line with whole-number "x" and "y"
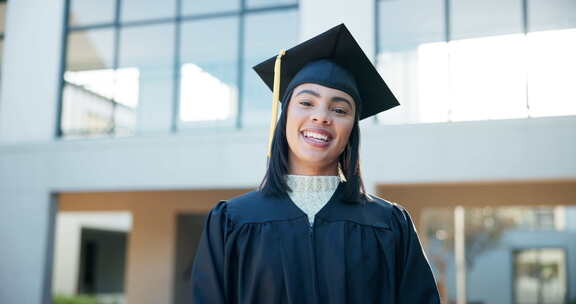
{"x": 128, "y": 120}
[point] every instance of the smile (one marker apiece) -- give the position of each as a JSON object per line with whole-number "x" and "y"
{"x": 317, "y": 139}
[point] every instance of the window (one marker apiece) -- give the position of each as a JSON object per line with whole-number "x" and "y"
{"x": 217, "y": 84}
{"x": 133, "y": 66}
{"x": 494, "y": 269}
{"x": 540, "y": 276}
{"x": 454, "y": 64}
{"x": 142, "y": 10}
{"x": 261, "y": 42}
{"x": 209, "y": 70}
{"x": 90, "y": 83}
{"x": 89, "y": 12}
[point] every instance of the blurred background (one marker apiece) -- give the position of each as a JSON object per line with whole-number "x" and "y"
{"x": 122, "y": 122}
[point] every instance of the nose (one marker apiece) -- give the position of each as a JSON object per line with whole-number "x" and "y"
{"x": 321, "y": 116}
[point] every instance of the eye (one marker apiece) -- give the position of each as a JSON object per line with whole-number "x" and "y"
{"x": 340, "y": 111}
{"x": 305, "y": 103}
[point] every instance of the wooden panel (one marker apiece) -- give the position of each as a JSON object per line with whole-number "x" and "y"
{"x": 192, "y": 201}
{"x": 416, "y": 197}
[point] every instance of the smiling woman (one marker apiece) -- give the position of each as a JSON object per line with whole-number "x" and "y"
{"x": 319, "y": 124}
{"x": 311, "y": 233}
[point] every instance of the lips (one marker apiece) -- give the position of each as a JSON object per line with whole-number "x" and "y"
{"x": 317, "y": 137}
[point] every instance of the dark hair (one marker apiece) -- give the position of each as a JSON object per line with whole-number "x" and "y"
{"x": 274, "y": 182}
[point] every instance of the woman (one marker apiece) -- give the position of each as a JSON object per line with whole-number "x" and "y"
{"x": 310, "y": 233}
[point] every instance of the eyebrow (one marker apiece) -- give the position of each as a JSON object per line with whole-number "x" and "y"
{"x": 335, "y": 98}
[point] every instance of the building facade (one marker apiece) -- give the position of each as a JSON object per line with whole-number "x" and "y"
{"x": 151, "y": 109}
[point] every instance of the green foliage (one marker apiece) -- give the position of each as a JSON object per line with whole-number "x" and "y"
{"x": 78, "y": 299}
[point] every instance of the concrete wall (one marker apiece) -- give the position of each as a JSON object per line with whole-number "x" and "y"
{"x": 33, "y": 164}
{"x": 153, "y": 248}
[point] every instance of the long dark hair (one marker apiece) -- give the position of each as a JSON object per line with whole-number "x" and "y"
{"x": 274, "y": 182}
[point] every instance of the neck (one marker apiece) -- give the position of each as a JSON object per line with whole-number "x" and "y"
{"x": 331, "y": 169}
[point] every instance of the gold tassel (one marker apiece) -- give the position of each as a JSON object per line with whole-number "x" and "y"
{"x": 275, "y": 98}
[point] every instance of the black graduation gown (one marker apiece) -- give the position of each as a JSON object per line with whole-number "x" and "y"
{"x": 256, "y": 249}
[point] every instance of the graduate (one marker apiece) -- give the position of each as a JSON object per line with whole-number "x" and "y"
{"x": 310, "y": 233}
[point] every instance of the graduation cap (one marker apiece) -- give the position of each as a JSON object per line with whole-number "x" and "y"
{"x": 333, "y": 59}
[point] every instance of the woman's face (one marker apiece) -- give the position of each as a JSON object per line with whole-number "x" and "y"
{"x": 319, "y": 122}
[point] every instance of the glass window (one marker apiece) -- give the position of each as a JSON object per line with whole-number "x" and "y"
{"x": 551, "y": 72}
{"x": 89, "y": 84}
{"x": 264, "y": 3}
{"x": 413, "y": 59}
{"x": 533, "y": 218}
{"x": 105, "y": 84}
{"x": 144, "y": 75}
{"x": 87, "y": 12}
{"x": 540, "y": 276}
{"x": 135, "y": 10}
{"x": 551, "y": 14}
{"x": 488, "y": 78}
{"x": 260, "y": 41}
{"x": 490, "y": 261}
{"x": 401, "y": 27}
{"x": 209, "y": 70}
{"x": 438, "y": 242}
{"x": 472, "y": 18}
{"x": 195, "y": 7}
{"x": 489, "y": 70}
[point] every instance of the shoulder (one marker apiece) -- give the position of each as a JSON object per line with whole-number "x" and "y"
{"x": 255, "y": 207}
{"x": 383, "y": 205}
{"x": 386, "y": 212}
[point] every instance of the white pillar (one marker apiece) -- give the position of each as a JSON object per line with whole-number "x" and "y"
{"x": 460, "y": 254}
{"x": 25, "y": 253}
{"x": 30, "y": 70}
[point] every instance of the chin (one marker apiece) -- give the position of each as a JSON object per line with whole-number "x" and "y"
{"x": 313, "y": 158}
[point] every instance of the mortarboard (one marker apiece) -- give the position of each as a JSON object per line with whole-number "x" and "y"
{"x": 332, "y": 59}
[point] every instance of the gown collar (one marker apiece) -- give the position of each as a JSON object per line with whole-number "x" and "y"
{"x": 295, "y": 210}
{"x": 305, "y": 183}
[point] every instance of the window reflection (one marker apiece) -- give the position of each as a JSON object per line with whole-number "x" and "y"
{"x": 264, "y": 3}
{"x": 136, "y": 10}
{"x": 540, "y": 276}
{"x": 523, "y": 247}
{"x": 471, "y": 18}
{"x": 259, "y": 40}
{"x": 197, "y": 7}
{"x": 89, "y": 12}
{"x": 551, "y": 72}
{"x": 90, "y": 85}
{"x": 488, "y": 78}
{"x": 100, "y": 102}
{"x": 123, "y": 58}
{"x": 511, "y": 76}
{"x": 209, "y": 71}
{"x": 204, "y": 96}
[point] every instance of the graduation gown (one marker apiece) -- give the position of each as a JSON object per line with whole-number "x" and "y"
{"x": 258, "y": 249}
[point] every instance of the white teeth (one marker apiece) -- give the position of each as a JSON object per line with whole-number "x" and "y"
{"x": 315, "y": 135}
